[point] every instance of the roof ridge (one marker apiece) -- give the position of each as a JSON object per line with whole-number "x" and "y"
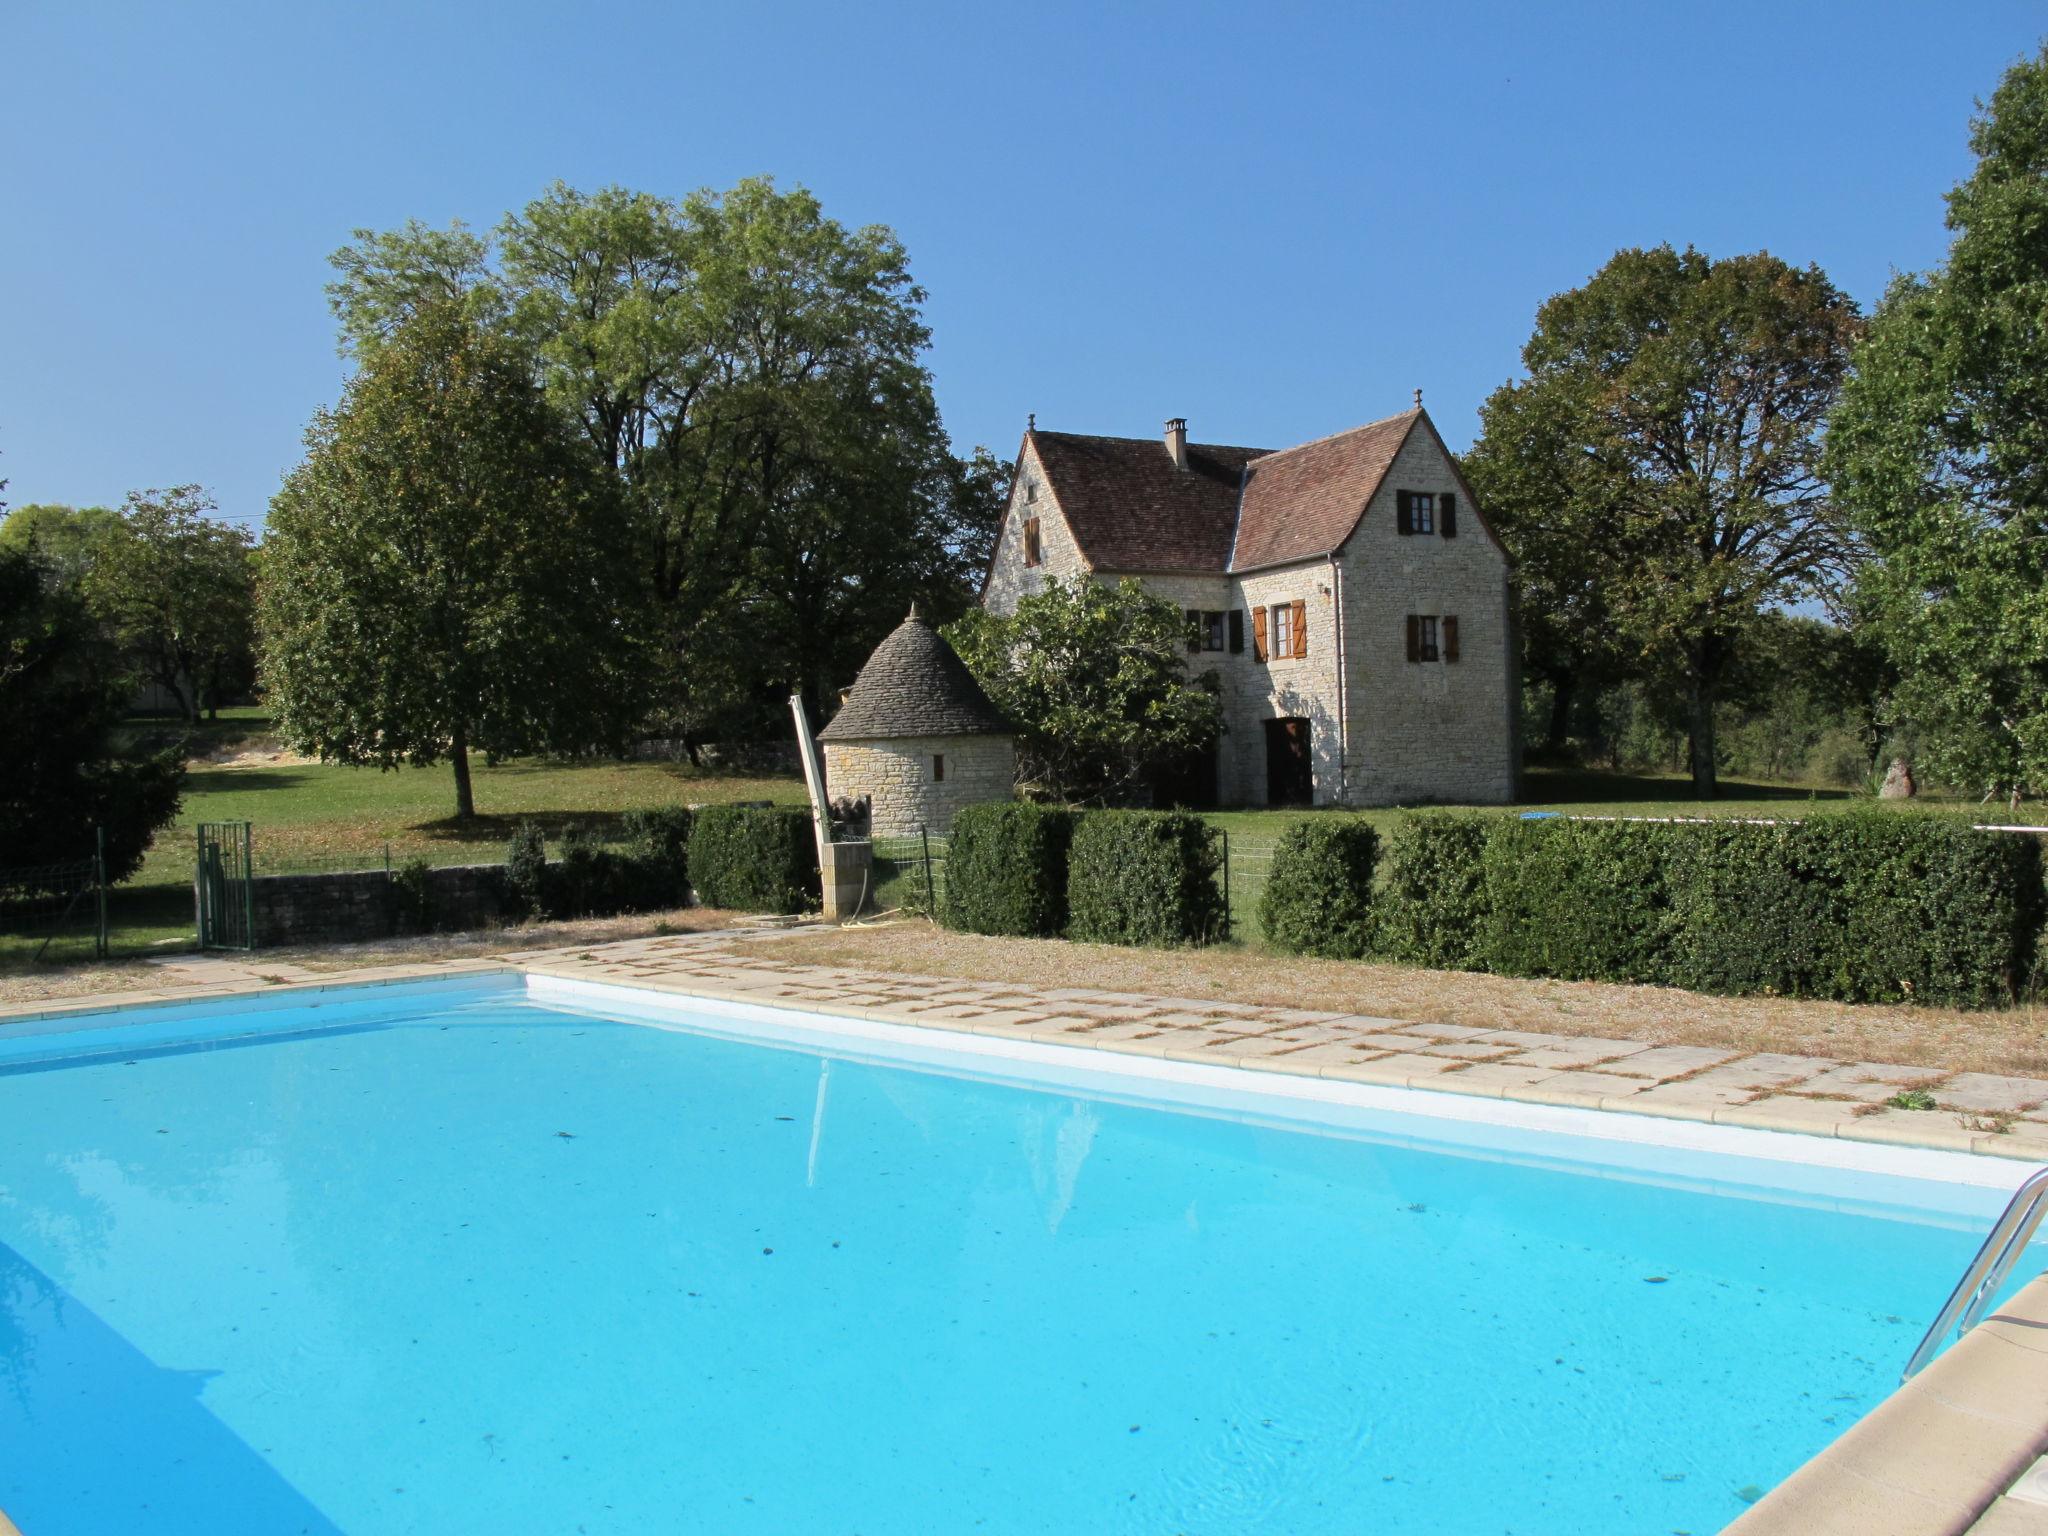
{"x": 1103, "y": 437}
{"x": 1331, "y": 437}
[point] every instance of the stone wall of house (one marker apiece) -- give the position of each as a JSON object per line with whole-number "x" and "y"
{"x": 1303, "y": 687}
{"x": 352, "y": 906}
{"x": 1009, "y": 577}
{"x": 898, "y": 777}
{"x": 1429, "y": 731}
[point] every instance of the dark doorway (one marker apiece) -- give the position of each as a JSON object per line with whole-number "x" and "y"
{"x": 1187, "y": 782}
{"x": 1290, "y": 775}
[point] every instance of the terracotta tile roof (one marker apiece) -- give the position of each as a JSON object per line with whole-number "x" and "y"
{"x": 915, "y": 684}
{"x": 1131, "y": 510}
{"x": 1303, "y": 502}
{"x": 1232, "y": 509}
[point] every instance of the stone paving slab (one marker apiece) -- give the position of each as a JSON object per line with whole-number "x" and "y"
{"x": 2003, "y": 1116}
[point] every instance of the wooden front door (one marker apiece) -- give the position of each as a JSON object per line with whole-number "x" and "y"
{"x": 1290, "y": 774}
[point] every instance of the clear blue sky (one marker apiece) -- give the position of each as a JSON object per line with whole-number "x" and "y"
{"x": 1275, "y": 220}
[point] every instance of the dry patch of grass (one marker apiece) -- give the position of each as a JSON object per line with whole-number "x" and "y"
{"x": 2010, "y": 1041}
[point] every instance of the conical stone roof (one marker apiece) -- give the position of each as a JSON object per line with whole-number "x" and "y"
{"x": 915, "y": 685}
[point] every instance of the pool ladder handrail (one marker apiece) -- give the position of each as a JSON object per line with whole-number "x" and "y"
{"x": 1981, "y": 1281}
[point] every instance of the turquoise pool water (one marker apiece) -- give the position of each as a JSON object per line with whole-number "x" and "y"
{"x": 446, "y": 1262}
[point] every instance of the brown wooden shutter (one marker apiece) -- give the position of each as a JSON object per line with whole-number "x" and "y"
{"x": 1450, "y": 637}
{"x": 1404, "y": 512}
{"x": 1300, "y": 627}
{"x": 1194, "y": 629}
{"x": 1258, "y": 634}
{"x": 1447, "y": 515}
{"x": 1414, "y": 637}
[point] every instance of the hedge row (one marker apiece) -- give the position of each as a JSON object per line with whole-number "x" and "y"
{"x": 745, "y": 858}
{"x": 1107, "y": 877}
{"x": 1860, "y": 907}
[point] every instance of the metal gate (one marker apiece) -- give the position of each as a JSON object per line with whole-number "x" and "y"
{"x": 222, "y": 888}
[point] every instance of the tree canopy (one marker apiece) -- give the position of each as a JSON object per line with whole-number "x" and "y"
{"x": 69, "y": 538}
{"x": 63, "y": 689}
{"x": 1939, "y": 452}
{"x": 444, "y": 571}
{"x": 176, "y": 590}
{"x": 749, "y": 372}
{"x": 1095, "y": 678}
{"x": 1657, "y": 473}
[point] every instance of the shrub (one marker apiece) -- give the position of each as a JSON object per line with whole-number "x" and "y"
{"x": 1006, "y": 870}
{"x": 1871, "y": 906}
{"x": 526, "y": 863}
{"x": 660, "y": 842}
{"x": 590, "y": 879}
{"x": 1318, "y": 896}
{"x": 412, "y": 897}
{"x": 1144, "y": 877}
{"x": 1431, "y": 904}
{"x": 754, "y": 858}
{"x": 1581, "y": 900}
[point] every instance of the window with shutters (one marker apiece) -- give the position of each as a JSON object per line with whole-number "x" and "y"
{"x": 1282, "y": 629}
{"x": 1258, "y": 634}
{"x": 1415, "y": 511}
{"x": 1033, "y": 554}
{"x": 1432, "y": 637}
{"x": 1426, "y": 512}
{"x": 1213, "y": 630}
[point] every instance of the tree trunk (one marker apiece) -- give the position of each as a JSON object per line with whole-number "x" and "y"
{"x": 1563, "y": 685}
{"x": 1700, "y": 703}
{"x": 465, "y": 799}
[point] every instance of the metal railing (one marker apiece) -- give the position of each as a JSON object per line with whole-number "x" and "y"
{"x": 910, "y": 872}
{"x": 1981, "y": 1281}
{"x": 50, "y": 899}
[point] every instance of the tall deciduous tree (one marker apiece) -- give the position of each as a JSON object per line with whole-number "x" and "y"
{"x": 749, "y": 371}
{"x": 69, "y": 538}
{"x": 1095, "y": 679}
{"x": 1940, "y": 452}
{"x": 1657, "y": 473}
{"x": 176, "y": 590}
{"x": 450, "y": 569}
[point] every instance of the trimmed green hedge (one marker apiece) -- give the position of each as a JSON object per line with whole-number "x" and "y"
{"x": 1318, "y": 895}
{"x": 649, "y": 872}
{"x": 1864, "y": 907}
{"x": 1144, "y": 877}
{"x": 1580, "y": 900}
{"x": 1432, "y": 901}
{"x": 1006, "y": 870}
{"x": 755, "y": 858}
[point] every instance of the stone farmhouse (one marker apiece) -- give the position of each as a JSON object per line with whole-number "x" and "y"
{"x": 1348, "y": 595}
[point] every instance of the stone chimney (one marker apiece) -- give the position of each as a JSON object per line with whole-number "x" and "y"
{"x": 1177, "y": 441}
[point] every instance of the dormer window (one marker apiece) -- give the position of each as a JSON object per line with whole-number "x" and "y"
{"x": 1033, "y": 553}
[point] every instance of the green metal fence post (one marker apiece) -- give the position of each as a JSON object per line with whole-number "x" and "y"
{"x": 1229, "y": 912}
{"x": 931, "y": 900}
{"x": 99, "y": 876}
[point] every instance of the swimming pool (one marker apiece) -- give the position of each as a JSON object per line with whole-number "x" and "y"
{"x": 437, "y": 1260}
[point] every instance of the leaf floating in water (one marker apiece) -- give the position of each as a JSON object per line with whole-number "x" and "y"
{"x": 1656, "y": 1279}
{"x": 566, "y": 1135}
{"x": 1750, "y": 1494}
{"x": 785, "y": 1117}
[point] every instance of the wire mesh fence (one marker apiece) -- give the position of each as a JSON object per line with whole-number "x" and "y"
{"x": 910, "y": 873}
{"x": 55, "y": 905}
{"x": 1247, "y": 862}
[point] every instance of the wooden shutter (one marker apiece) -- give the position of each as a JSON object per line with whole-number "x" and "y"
{"x": 1237, "y": 631}
{"x": 1447, "y": 515}
{"x": 1194, "y": 629}
{"x": 1258, "y": 634}
{"x": 1404, "y": 512}
{"x": 1450, "y": 632}
{"x": 1414, "y": 637}
{"x": 1300, "y": 627}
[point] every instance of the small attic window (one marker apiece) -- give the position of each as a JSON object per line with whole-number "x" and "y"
{"x": 1031, "y": 490}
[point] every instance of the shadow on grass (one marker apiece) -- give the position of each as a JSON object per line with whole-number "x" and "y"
{"x": 1578, "y": 786}
{"x": 483, "y": 828}
{"x": 235, "y": 781}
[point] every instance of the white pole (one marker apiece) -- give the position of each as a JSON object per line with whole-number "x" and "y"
{"x": 814, "y": 775}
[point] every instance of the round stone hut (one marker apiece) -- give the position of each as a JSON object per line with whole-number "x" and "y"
{"x": 917, "y": 737}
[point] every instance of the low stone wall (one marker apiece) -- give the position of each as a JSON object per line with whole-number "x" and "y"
{"x": 350, "y": 907}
